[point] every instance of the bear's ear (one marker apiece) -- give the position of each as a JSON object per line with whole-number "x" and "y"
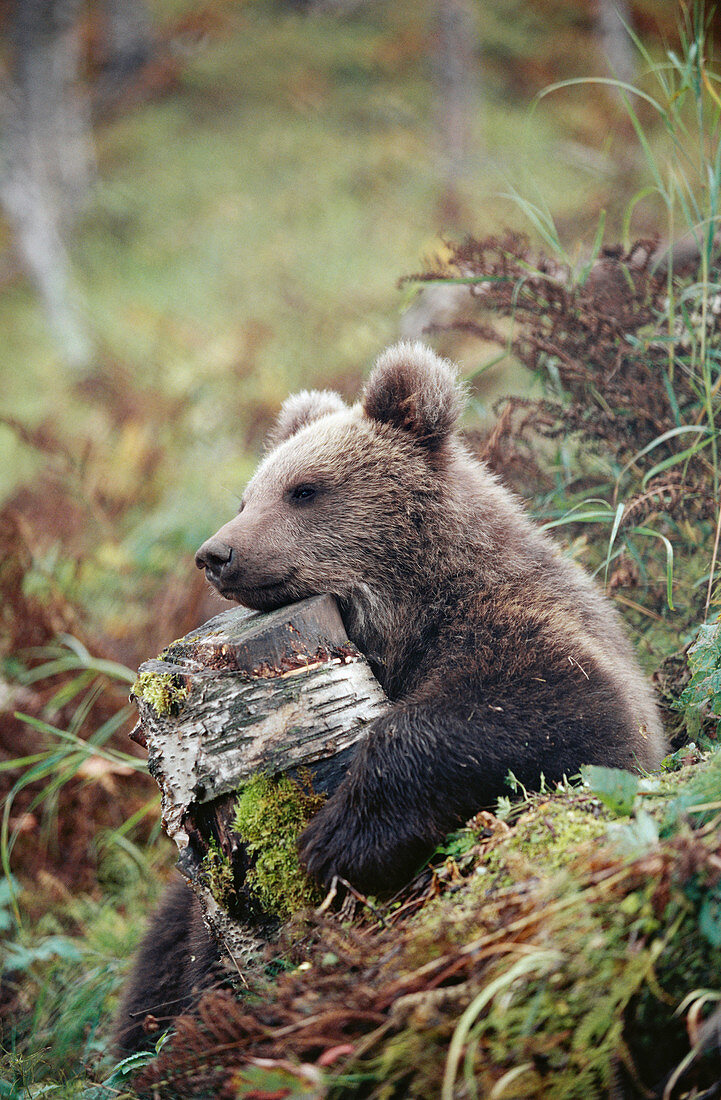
{"x": 301, "y": 409}
{"x": 415, "y": 390}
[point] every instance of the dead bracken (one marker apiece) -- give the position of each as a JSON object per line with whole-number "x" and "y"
{"x": 602, "y": 344}
{"x": 504, "y": 965}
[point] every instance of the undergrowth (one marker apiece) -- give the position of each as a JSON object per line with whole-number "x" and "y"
{"x": 65, "y": 824}
{"x": 508, "y": 971}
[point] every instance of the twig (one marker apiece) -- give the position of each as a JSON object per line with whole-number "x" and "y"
{"x": 637, "y": 607}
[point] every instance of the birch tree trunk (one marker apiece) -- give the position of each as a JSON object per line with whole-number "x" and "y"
{"x": 46, "y": 162}
{"x": 612, "y": 19}
{"x": 456, "y": 70}
{"x": 248, "y": 693}
{"x": 127, "y": 45}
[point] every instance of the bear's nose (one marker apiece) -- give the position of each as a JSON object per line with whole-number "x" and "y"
{"x": 213, "y": 555}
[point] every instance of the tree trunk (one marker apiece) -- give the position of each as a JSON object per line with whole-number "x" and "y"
{"x": 612, "y": 19}
{"x": 127, "y": 46}
{"x": 457, "y": 81}
{"x": 248, "y": 693}
{"x": 47, "y": 162}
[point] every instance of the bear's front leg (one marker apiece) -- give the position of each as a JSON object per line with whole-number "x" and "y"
{"x": 386, "y": 817}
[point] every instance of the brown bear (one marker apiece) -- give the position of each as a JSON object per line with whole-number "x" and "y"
{"x": 498, "y": 653}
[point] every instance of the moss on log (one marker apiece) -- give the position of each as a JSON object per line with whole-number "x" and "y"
{"x": 249, "y": 694}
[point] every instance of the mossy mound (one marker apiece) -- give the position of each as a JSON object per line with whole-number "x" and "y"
{"x": 570, "y": 952}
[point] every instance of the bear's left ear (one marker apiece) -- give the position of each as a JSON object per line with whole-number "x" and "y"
{"x": 415, "y": 390}
{"x": 301, "y": 409}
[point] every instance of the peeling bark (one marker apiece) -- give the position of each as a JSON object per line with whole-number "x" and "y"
{"x": 245, "y": 693}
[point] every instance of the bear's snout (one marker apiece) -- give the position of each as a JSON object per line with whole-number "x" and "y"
{"x": 255, "y": 579}
{"x": 213, "y": 556}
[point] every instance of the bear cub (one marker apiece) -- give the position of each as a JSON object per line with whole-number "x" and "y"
{"x": 498, "y": 653}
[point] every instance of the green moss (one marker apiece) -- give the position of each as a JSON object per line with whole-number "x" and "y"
{"x": 162, "y": 691}
{"x": 582, "y": 957}
{"x": 219, "y": 874}
{"x": 547, "y": 837}
{"x": 270, "y": 815}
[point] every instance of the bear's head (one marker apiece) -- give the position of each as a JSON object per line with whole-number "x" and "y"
{"x": 341, "y": 501}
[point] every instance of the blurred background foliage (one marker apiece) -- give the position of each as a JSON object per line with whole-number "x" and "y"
{"x": 256, "y": 178}
{"x": 204, "y": 206}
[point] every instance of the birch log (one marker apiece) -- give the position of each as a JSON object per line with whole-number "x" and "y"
{"x": 247, "y": 693}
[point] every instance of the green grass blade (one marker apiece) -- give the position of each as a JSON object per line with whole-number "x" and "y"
{"x": 540, "y": 960}
{"x": 673, "y": 460}
{"x": 644, "y": 193}
{"x": 114, "y": 756}
{"x": 672, "y": 433}
{"x": 609, "y": 81}
{"x": 669, "y": 560}
{"x": 612, "y": 538}
{"x": 541, "y": 220}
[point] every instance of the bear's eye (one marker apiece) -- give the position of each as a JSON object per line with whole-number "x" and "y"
{"x": 242, "y": 506}
{"x": 303, "y": 493}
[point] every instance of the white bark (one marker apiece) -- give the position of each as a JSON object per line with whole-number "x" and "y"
{"x": 457, "y": 79}
{"x": 612, "y": 19}
{"x": 229, "y": 728}
{"x": 242, "y": 694}
{"x": 46, "y": 162}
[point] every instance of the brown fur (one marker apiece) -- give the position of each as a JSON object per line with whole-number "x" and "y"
{"x": 176, "y": 961}
{"x": 498, "y": 653}
{"x": 405, "y": 533}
